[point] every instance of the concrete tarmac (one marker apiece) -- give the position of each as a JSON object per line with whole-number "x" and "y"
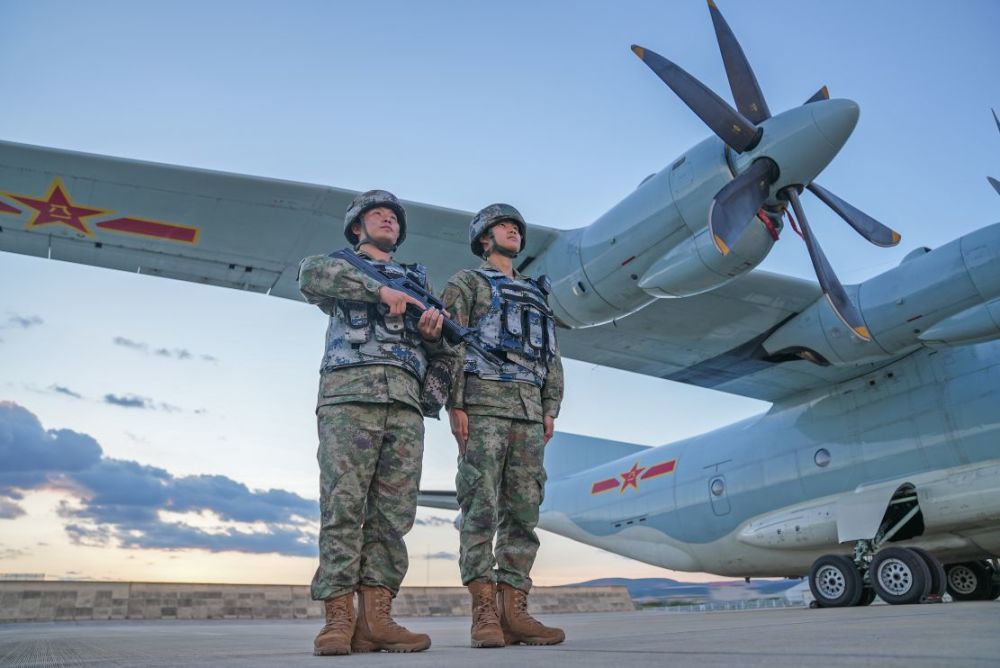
{"x": 951, "y": 635}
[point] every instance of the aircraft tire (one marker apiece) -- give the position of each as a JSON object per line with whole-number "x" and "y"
{"x": 995, "y": 591}
{"x": 900, "y": 576}
{"x": 970, "y": 581}
{"x": 939, "y": 581}
{"x": 835, "y": 582}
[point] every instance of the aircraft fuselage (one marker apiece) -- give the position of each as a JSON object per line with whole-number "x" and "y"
{"x": 768, "y": 495}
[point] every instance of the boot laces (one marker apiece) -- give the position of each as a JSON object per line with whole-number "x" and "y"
{"x": 338, "y": 614}
{"x": 521, "y": 608}
{"x": 383, "y": 608}
{"x": 484, "y": 607}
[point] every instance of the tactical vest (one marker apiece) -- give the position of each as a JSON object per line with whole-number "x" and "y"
{"x": 359, "y": 333}
{"x": 518, "y": 327}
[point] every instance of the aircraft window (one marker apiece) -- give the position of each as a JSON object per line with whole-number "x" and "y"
{"x": 718, "y": 487}
{"x": 822, "y": 457}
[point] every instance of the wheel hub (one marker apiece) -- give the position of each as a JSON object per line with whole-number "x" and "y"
{"x": 831, "y": 582}
{"x": 962, "y": 580}
{"x": 895, "y": 577}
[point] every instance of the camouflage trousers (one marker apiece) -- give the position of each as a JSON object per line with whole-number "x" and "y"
{"x": 369, "y": 461}
{"x": 500, "y": 485}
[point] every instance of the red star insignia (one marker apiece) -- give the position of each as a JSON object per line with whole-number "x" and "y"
{"x": 631, "y": 478}
{"x": 57, "y": 207}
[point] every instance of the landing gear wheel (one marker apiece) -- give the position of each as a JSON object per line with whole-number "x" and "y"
{"x": 867, "y": 596}
{"x": 900, "y": 576}
{"x": 994, "y": 592}
{"x": 835, "y": 581}
{"x": 938, "y": 579}
{"x": 970, "y": 581}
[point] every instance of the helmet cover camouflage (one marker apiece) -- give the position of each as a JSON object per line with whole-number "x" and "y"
{"x": 490, "y": 216}
{"x": 370, "y": 200}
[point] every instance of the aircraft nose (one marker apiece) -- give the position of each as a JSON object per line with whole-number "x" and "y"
{"x": 835, "y": 119}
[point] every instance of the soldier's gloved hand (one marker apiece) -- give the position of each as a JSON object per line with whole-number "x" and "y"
{"x": 459, "y": 427}
{"x": 430, "y": 324}
{"x": 396, "y": 300}
{"x": 549, "y": 424}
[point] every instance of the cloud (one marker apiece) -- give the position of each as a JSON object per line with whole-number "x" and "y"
{"x": 59, "y": 389}
{"x": 171, "y": 353}
{"x": 129, "y": 343}
{"x": 12, "y": 553}
{"x": 24, "y": 322}
{"x": 10, "y": 510}
{"x": 144, "y": 403}
{"x": 434, "y": 521}
{"x": 128, "y": 401}
{"x": 121, "y": 502}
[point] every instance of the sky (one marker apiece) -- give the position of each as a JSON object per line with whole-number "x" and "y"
{"x": 164, "y": 431}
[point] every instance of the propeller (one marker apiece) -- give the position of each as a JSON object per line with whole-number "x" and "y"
{"x": 730, "y": 125}
{"x": 863, "y": 224}
{"x": 736, "y": 205}
{"x": 828, "y": 281}
{"x": 822, "y": 94}
{"x": 993, "y": 181}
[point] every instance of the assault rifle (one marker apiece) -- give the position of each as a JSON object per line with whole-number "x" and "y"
{"x": 453, "y": 332}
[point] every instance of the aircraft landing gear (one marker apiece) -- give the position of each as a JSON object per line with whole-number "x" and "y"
{"x": 898, "y": 575}
{"x": 972, "y": 581}
{"x": 835, "y": 582}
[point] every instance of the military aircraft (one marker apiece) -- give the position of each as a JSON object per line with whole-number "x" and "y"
{"x": 879, "y": 450}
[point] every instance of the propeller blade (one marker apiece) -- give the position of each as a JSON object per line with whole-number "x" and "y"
{"x": 735, "y": 205}
{"x": 828, "y": 281}
{"x": 746, "y": 91}
{"x": 822, "y": 94}
{"x": 994, "y": 183}
{"x": 997, "y": 120}
{"x": 863, "y": 224}
{"x": 730, "y": 125}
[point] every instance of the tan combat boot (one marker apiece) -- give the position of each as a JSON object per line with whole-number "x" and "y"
{"x": 520, "y": 627}
{"x": 486, "y": 631}
{"x": 335, "y": 636}
{"x": 376, "y": 629}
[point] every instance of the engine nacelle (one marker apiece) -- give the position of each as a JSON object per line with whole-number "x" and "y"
{"x": 696, "y": 265}
{"x": 652, "y": 244}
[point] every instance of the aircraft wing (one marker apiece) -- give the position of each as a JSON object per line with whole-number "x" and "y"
{"x": 250, "y": 233}
{"x": 712, "y": 340}
{"x": 196, "y": 225}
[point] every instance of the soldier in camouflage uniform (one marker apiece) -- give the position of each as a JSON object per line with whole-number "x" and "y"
{"x": 371, "y": 429}
{"x": 502, "y": 416}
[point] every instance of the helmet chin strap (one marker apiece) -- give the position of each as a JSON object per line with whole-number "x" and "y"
{"x": 363, "y": 238}
{"x": 494, "y": 246}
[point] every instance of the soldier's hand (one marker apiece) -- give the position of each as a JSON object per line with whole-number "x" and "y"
{"x": 396, "y": 300}
{"x": 549, "y": 423}
{"x": 430, "y": 324}
{"x": 459, "y": 427}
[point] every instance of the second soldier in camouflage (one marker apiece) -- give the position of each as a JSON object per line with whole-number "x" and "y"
{"x": 502, "y": 416}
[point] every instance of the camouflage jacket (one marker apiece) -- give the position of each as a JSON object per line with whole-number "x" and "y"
{"x": 467, "y": 297}
{"x": 322, "y": 281}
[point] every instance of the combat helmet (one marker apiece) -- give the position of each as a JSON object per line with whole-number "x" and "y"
{"x": 490, "y": 216}
{"x": 370, "y": 200}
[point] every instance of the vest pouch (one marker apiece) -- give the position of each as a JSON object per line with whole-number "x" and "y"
{"x": 357, "y": 319}
{"x": 536, "y": 329}
{"x": 394, "y": 324}
{"x": 513, "y": 319}
{"x": 550, "y": 339}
